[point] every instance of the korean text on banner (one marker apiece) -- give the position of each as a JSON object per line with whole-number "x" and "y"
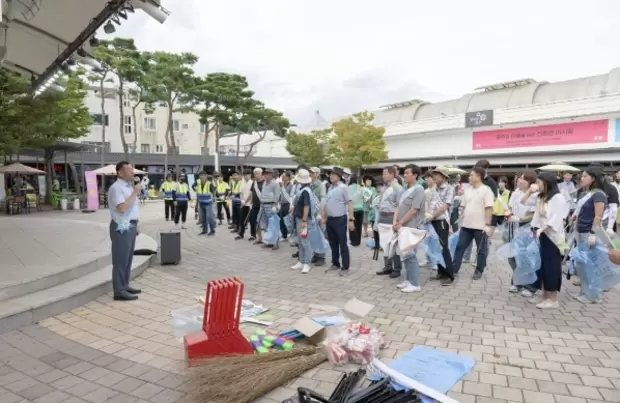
{"x": 92, "y": 193}
{"x": 588, "y": 132}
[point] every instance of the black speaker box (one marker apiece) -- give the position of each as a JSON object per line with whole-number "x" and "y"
{"x": 170, "y": 247}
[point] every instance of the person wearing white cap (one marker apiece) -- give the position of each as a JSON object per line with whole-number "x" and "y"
{"x": 319, "y": 190}
{"x": 305, "y": 211}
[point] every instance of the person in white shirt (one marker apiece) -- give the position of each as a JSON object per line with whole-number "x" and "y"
{"x": 476, "y": 209}
{"x": 520, "y": 213}
{"x": 548, "y": 222}
{"x": 124, "y": 210}
{"x": 246, "y": 203}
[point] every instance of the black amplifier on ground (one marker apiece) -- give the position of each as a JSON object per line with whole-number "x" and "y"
{"x": 170, "y": 247}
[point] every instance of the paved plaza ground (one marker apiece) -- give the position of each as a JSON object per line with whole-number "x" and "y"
{"x": 125, "y": 352}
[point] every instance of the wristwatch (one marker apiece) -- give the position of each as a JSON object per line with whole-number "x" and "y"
{"x": 351, "y": 220}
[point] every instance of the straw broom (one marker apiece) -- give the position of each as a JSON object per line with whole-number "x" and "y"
{"x": 244, "y": 378}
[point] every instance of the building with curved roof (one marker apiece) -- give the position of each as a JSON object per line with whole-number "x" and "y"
{"x": 510, "y": 123}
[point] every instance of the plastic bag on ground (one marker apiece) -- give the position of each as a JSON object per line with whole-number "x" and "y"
{"x": 596, "y": 272}
{"x": 353, "y": 342}
{"x": 272, "y": 235}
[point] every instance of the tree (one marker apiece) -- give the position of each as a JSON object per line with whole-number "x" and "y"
{"x": 121, "y": 57}
{"x": 138, "y": 95}
{"x": 171, "y": 83}
{"x": 309, "y": 149}
{"x": 221, "y": 97}
{"x": 356, "y": 142}
{"x": 101, "y": 77}
{"x": 15, "y": 105}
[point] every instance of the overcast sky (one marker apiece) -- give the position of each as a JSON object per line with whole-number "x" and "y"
{"x": 343, "y": 56}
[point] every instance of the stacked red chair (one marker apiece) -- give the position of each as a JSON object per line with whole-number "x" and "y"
{"x": 220, "y": 334}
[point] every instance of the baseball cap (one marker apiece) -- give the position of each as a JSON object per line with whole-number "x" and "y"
{"x": 315, "y": 170}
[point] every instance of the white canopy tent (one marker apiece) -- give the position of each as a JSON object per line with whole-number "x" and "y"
{"x": 18, "y": 168}
{"x": 110, "y": 170}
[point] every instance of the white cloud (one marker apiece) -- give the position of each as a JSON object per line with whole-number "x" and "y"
{"x": 343, "y": 56}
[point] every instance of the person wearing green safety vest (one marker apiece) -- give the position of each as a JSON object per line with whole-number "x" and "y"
{"x": 169, "y": 186}
{"x": 181, "y": 197}
{"x": 222, "y": 192}
{"x": 205, "y": 192}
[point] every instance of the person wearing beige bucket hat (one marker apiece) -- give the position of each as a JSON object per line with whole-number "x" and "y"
{"x": 438, "y": 216}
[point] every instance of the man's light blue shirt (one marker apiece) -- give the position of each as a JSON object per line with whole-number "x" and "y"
{"x": 118, "y": 193}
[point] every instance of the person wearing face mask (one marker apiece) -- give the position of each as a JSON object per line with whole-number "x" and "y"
{"x": 181, "y": 198}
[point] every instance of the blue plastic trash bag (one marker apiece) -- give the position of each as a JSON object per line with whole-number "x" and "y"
{"x": 432, "y": 245}
{"x": 288, "y": 223}
{"x": 370, "y": 243}
{"x": 596, "y": 273}
{"x": 519, "y": 235}
{"x": 317, "y": 239}
{"x": 272, "y": 235}
{"x": 527, "y": 259}
{"x": 453, "y": 241}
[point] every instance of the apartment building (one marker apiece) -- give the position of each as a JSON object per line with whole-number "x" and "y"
{"x": 145, "y": 135}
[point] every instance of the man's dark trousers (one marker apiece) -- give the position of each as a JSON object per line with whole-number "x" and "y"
{"x": 336, "y": 228}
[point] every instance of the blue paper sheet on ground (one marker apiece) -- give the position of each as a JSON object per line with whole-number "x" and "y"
{"x": 453, "y": 241}
{"x": 439, "y": 370}
{"x": 272, "y": 235}
{"x": 509, "y": 250}
{"x": 433, "y": 247}
{"x": 596, "y": 272}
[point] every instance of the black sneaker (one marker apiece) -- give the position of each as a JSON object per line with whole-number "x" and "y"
{"x": 436, "y": 278}
{"x": 238, "y": 237}
{"x": 332, "y": 268}
{"x": 203, "y": 233}
{"x": 344, "y": 273}
{"x": 295, "y": 255}
{"x": 384, "y": 272}
{"x": 250, "y": 239}
{"x": 211, "y": 233}
{"x": 395, "y": 274}
{"x": 446, "y": 281}
{"x": 320, "y": 261}
{"x": 477, "y": 275}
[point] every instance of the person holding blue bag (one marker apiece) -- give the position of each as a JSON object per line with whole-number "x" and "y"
{"x": 305, "y": 211}
{"x": 588, "y": 215}
{"x": 519, "y": 215}
{"x": 548, "y": 228}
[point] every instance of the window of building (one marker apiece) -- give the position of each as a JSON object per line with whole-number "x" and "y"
{"x": 159, "y": 148}
{"x": 126, "y": 102}
{"x": 150, "y": 123}
{"x": 97, "y": 120}
{"x": 185, "y": 126}
{"x": 127, "y": 121}
{"x": 176, "y": 125}
{"x": 203, "y": 128}
{"x": 145, "y": 148}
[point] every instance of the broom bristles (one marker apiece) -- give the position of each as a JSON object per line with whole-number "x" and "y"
{"x": 242, "y": 379}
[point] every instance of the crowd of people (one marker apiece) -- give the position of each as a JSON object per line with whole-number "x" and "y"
{"x": 324, "y": 217}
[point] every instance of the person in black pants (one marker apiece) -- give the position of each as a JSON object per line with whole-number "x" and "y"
{"x": 442, "y": 198}
{"x": 286, "y": 197}
{"x": 181, "y": 197}
{"x": 337, "y": 205}
{"x": 257, "y": 186}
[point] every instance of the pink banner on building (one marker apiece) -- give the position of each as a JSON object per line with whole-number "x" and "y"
{"x": 588, "y": 132}
{"x": 92, "y": 193}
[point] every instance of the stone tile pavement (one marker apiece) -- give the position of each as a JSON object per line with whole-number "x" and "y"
{"x": 126, "y": 352}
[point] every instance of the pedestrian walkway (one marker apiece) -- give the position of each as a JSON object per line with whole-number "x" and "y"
{"x": 126, "y": 352}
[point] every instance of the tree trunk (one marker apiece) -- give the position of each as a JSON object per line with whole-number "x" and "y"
{"x": 217, "y": 149}
{"x": 135, "y": 125}
{"x": 48, "y": 156}
{"x": 238, "y": 151}
{"x": 205, "y": 143}
{"x": 102, "y": 95}
{"x": 121, "y": 114}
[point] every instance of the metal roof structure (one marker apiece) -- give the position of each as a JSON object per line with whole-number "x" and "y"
{"x": 526, "y": 92}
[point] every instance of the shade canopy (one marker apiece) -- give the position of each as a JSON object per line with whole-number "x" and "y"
{"x": 110, "y": 170}
{"x": 559, "y": 167}
{"x": 18, "y": 168}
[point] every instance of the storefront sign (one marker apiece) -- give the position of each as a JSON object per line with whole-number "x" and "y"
{"x": 480, "y": 118}
{"x": 588, "y": 132}
{"x": 617, "y": 137}
{"x": 92, "y": 194}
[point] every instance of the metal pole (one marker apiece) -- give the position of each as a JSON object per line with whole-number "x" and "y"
{"x": 66, "y": 171}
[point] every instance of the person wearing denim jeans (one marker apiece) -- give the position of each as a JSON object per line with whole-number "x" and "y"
{"x": 476, "y": 207}
{"x": 205, "y": 191}
{"x": 410, "y": 213}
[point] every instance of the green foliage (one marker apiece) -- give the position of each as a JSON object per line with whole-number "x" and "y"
{"x": 170, "y": 82}
{"x": 309, "y": 149}
{"x": 42, "y": 121}
{"x": 357, "y": 142}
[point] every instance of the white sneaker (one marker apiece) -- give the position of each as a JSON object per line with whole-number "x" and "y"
{"x": 536, "y": 298}
{"x": 514, "y": 288}
{"x": 297, "y": 266}
{"x": 411, "y": 288}
{"x": 548, "y": 304}
{"x": 183, "y": 226}
{"x": 527, "y": 294}
{"x": 305, "y": 269}
{"x": 404, "y": 284}
{"x": 434, "y": 268}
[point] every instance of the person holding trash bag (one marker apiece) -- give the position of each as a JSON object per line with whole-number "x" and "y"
{"x": 519, "y": 215}
{"x": 548, "y": 228}
{"x": 588, "y": 216}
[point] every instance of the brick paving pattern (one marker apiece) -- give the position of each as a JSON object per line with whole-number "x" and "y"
{"x": 109, "y": 351}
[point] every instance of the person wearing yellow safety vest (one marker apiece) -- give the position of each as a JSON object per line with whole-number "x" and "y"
{"x": 501, "y": 202}
{"x": 169, "y": 186}
{"x": 235, "y": 192}
{"x": 181, "y": 197}
{"x": 222, "y": 192}
{"x": 205, "y": 192}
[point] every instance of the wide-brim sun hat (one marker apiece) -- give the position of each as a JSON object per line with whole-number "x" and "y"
{"x": 338, "y": 171}
{"x": 303, "y": 177}
{"x": 441, "y": 170}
